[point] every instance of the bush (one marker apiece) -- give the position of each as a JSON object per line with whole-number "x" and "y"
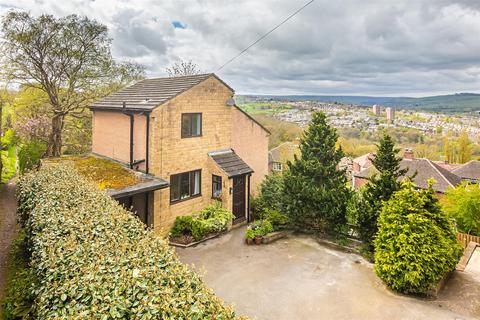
{"x": 416, "y": 244}
{"x": 212, "y": 219}
{"x": 94, "y": 259}
{"x": 270, "y": 195}
{"x": 278, "y": 220}
{"x": 463, "y": 204}
{"x": 29, "y": 154}
{"x": 21, "y": 283}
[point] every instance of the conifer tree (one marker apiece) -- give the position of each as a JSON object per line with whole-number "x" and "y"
{"x": 315, "y": 190}
{"x": 380, "y": 187}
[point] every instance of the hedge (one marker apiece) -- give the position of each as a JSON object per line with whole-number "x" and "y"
{"x": 95, "y": 260}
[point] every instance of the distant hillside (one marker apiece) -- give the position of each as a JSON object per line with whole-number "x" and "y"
{"x": 460, "y": 102}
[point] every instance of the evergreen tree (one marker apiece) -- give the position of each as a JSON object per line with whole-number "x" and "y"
{"x": 380, "y": 188}
{"x": 416, "y": 244}
{"x": 315, "y": 191}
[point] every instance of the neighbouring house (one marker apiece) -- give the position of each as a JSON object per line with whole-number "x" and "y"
{"x": 280, "y": 155}
{"x": 188, "y": 132}
{"x": 422, "y": 170}
{"x": 363, "y": 162}
{"x": 469, "y": 171}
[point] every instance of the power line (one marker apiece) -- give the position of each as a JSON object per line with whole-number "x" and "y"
{"x": 266, "y": 34}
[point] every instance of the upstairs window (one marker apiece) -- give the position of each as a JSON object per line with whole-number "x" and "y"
{"x": 185, "y": 185}
{"x": 191, "y": 125}
{"x": 216, "y": 187}
{"x": 277, "y": 166}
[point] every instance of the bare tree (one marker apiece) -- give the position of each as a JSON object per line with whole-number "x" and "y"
{"x": 68, "y": 58}
{"x": 183, "y": 68}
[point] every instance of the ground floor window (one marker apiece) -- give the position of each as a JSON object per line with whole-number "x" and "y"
{"x": 185, "y": 185}
{"x": 216, "y": 187}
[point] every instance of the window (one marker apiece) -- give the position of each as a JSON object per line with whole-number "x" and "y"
{"x": 277, "y": 166}
{"x": 185, "y": 185}
{"x": 191, "y": 125}
{"x": 216, "y": 187}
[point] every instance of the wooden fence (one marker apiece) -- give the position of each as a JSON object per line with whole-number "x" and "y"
{"x": 466, "y": 238}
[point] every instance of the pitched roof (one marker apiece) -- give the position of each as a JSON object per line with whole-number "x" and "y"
{"x": 365, "y": 160}
{"x": 284, "y": 152}
{"x": 230, "y": 162}
{"x": 469, "y": 170}
{"x": 425, "y": 169}
{"x": 148, "y": 94}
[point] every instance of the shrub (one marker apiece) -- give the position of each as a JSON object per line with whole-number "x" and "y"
{"x": 212, "y": 219}
{"x": 270, "y": 195}
{"x": 416, "y": 244}
{"x": 94, "y": 259}
{"x": 278, "y": 220}
{"x": 463, "y": 204}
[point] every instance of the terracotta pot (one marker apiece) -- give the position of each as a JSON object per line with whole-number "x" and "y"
{"x": 249, "y": 241}
{"x": 258, "y": 239}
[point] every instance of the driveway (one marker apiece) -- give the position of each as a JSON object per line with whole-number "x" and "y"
{"x": 297, "y": 278}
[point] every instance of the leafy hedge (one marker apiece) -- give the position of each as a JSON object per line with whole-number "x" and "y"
{"x": 416, "y": 244}
{"x": 95, "y": 260}
{"x": 212, "y": 219}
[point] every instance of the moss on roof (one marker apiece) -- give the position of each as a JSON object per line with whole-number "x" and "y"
{"x": 107, "y": 174}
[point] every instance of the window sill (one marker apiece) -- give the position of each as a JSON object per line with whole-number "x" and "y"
{"x": 189, "y": 137}
{"x": 186, "y": 199}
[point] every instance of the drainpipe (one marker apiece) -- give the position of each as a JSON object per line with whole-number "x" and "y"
{"x": 248, "y": 200}
{"x": 147, "y": 140}
{"x": 132, "y": 123}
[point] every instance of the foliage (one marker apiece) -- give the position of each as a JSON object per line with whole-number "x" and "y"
{"x": 259, "y": 228}
{"x": 183, "y": 68}
{"x": 212, "y": 219}
{"x": 315, "y": 191}
{"x": 416, "y": 244}
{"x": 250, "y": 233}
{"x": 96, "y": 260}
{"x": 463, "y": 204}
{"x": 20, "y": 284}
{"x": 278, "y": 220}
{"x": 379, "y": 188}
{"x": 30, "y": 153}
{"x": 271, "y": 193}
{"x": 464, "y": 148}
{"x": 68, "y": 58}
{"x": 7, "y": 155}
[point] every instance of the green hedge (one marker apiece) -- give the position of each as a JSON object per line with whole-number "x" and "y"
{"x": 95, "y": 260}
{"x": 212, "y": 219}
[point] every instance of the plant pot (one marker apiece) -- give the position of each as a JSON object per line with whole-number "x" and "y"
{"x": 249, "y": 241}
{"x": 258, "y": 239}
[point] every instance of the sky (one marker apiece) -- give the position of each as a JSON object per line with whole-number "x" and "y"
{"x": 343, "y": 47}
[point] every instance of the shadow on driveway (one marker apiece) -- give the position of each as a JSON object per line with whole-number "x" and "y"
{"x": 297, "y": 278}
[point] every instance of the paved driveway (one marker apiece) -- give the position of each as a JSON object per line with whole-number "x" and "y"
{"x": 297, "y": 278}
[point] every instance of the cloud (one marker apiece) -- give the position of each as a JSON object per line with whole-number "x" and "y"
{"x": 378, "y": 47}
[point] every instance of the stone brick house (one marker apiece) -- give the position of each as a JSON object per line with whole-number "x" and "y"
{"x": 189, "y": 132}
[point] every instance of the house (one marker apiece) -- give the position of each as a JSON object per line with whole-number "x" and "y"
{"x": 280, "y": 155}
{"x": 363, "y": 162}
{"x": 469, "y": 171}
{"x": 188, "y": 132}
{"x": 422, "y": 169}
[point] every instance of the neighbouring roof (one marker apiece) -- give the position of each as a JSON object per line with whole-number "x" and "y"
{"x": 425, "y": 169}
{"x": 284, "y": 152}
{"x": 469, "y": 170}
{"x": 148, "y": 183}
{"x": 448, "y": 166}
{"x": 148, "y": 94}
{"x": 230, "y": 162}
{"x": 365, "y": 160}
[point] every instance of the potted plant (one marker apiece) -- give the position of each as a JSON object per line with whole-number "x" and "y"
{"x": 249, "y": 236}
{"x": 258, "y": 235}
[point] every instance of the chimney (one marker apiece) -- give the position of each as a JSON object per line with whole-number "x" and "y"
{"x": 408, "y": 154}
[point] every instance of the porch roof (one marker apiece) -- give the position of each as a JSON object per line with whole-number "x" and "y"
{"x": 147, "y": 183}
{"x": 230, "y": 162}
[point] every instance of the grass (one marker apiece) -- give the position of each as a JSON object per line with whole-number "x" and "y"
{"x": 105, "y": 173}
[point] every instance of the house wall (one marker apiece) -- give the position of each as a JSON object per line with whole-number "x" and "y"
{"x": 170, "y": 154}
{"x": 250, "y": 142}
{"x": 111, "y": 136}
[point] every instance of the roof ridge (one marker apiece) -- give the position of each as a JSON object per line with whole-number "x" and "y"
{"x": 184, "y": 76}
{"x": 435, "y": 166}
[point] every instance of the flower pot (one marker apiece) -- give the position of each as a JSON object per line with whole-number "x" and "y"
{"x": 249, "y": 241}
{"x": 258, "y": 239}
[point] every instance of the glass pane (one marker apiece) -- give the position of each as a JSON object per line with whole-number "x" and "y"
{"x": 196, "y": 124}
{"x": 196, "y": 184}
{"x": 186, "y": 125}
{"x": 174, "y": 187}
{"x": 217, "y": 186}
{"x": 184, "y": 185}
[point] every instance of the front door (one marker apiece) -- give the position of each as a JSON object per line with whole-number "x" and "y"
{"x": 239, "y": 202}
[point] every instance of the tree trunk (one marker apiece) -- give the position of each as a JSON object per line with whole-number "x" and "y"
{"x": 54, "y": 148}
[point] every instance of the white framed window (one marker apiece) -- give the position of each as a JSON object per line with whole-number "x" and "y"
{"x": 277, "y": 166}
